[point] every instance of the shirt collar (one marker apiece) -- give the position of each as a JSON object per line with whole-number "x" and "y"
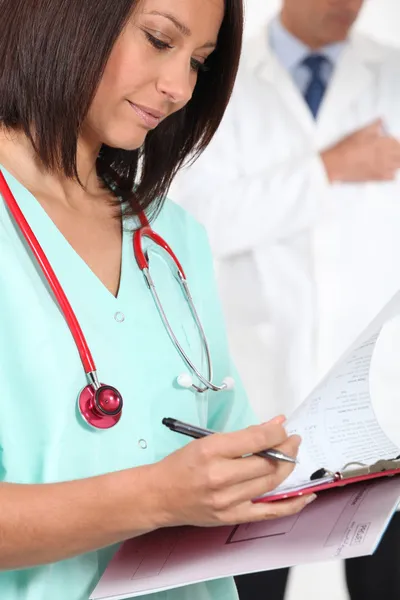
{"x": 291, "y": 51}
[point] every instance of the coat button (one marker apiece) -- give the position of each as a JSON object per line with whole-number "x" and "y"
{"x": 119, "y": 317}
{"x": 142, "y": 444}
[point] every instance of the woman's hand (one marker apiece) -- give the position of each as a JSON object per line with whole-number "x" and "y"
{"x": 208, "y": 482}
{"x": 205, "y": 483}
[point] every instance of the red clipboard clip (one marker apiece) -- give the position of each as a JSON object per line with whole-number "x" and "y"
{"x": 323, "y": 479}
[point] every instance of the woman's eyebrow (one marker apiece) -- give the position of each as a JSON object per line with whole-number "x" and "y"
{"x": 180, "y": 26}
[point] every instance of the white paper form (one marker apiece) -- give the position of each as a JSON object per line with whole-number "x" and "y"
{"x": 342, "y": 523}
{"x": 337, "y": 421}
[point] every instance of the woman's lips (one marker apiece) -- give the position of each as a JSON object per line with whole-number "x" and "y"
{"x": 151, "y": 118}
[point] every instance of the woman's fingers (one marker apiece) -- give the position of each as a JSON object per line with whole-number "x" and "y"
{"x": 244, "y": 492}
{"x": 250, "y": 489}
{"x": 250, "y": 440}
{"x": 290, "y": 447}
{"x": 283, "y": 469}
{"x": 264, "y": 511}
{"x": 252, "y": 467}
{"x": 281, "y": 508}
{"x": 218, "y": 479}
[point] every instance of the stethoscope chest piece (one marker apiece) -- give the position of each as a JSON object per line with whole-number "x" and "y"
{"x": 100, "y": 408}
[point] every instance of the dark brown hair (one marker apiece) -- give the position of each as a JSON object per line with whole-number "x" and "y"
{"x": 52, "y": 57}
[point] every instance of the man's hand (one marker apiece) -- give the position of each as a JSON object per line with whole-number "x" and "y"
{"x": 366, "y": 155}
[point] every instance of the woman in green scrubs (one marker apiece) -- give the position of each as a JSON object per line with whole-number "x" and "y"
{"x": 92, "y": 91}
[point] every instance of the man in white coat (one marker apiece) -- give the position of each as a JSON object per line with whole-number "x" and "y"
{"x": 300, "y": 194}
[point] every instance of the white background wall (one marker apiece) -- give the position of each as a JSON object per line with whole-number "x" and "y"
{"x": 380, "y": 18}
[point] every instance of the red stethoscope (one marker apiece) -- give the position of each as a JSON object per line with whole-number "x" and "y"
{"x": 99, "y": 404}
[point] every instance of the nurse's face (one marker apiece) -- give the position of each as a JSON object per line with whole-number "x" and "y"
{"x": 153, "y": 68}
{"x": 321, "y": 22}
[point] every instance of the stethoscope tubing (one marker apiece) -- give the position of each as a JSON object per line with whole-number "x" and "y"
{"x": 207, "y": 383}
{"x": 52, "y": 279}
{"x": 143, "y": 263}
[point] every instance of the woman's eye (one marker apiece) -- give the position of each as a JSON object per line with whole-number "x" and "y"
{"x": 156, "y": 43}
{"x": 197, "y": 66}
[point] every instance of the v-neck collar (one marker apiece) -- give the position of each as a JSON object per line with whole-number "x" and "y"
{"x": 68, "y": 265}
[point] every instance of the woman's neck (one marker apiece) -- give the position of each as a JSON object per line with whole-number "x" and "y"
{"x": 19, "y": 157}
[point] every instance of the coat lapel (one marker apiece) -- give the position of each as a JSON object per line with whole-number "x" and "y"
{"x": 352, "y": 77}
{"x": 262, "y": 60}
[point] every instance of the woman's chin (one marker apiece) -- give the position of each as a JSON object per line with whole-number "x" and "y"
{"x": 127, "y": 142}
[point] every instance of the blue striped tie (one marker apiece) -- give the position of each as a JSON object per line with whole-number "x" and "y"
{"x": 316, "y": 89}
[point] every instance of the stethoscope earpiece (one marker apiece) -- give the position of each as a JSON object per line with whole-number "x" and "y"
{"x": 186, "y": 381}
{"x": 229, "y": 383}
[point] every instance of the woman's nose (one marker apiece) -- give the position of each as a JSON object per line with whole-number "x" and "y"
{"x": 177, "y": 82}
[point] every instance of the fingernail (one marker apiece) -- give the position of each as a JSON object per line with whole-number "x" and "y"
{"x": 277, "y": 420}
{"x": 311, "y": 498}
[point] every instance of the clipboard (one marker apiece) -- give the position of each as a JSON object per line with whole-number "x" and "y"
{"x": 321, "y": 480}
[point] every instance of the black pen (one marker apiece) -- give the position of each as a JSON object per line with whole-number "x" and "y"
{"x": 198, "y": 432}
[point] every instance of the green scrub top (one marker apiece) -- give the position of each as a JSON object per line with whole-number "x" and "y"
{"x": 43, "y": 439}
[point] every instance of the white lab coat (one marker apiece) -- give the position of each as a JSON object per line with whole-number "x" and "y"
{"x": 302, "y": 265}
